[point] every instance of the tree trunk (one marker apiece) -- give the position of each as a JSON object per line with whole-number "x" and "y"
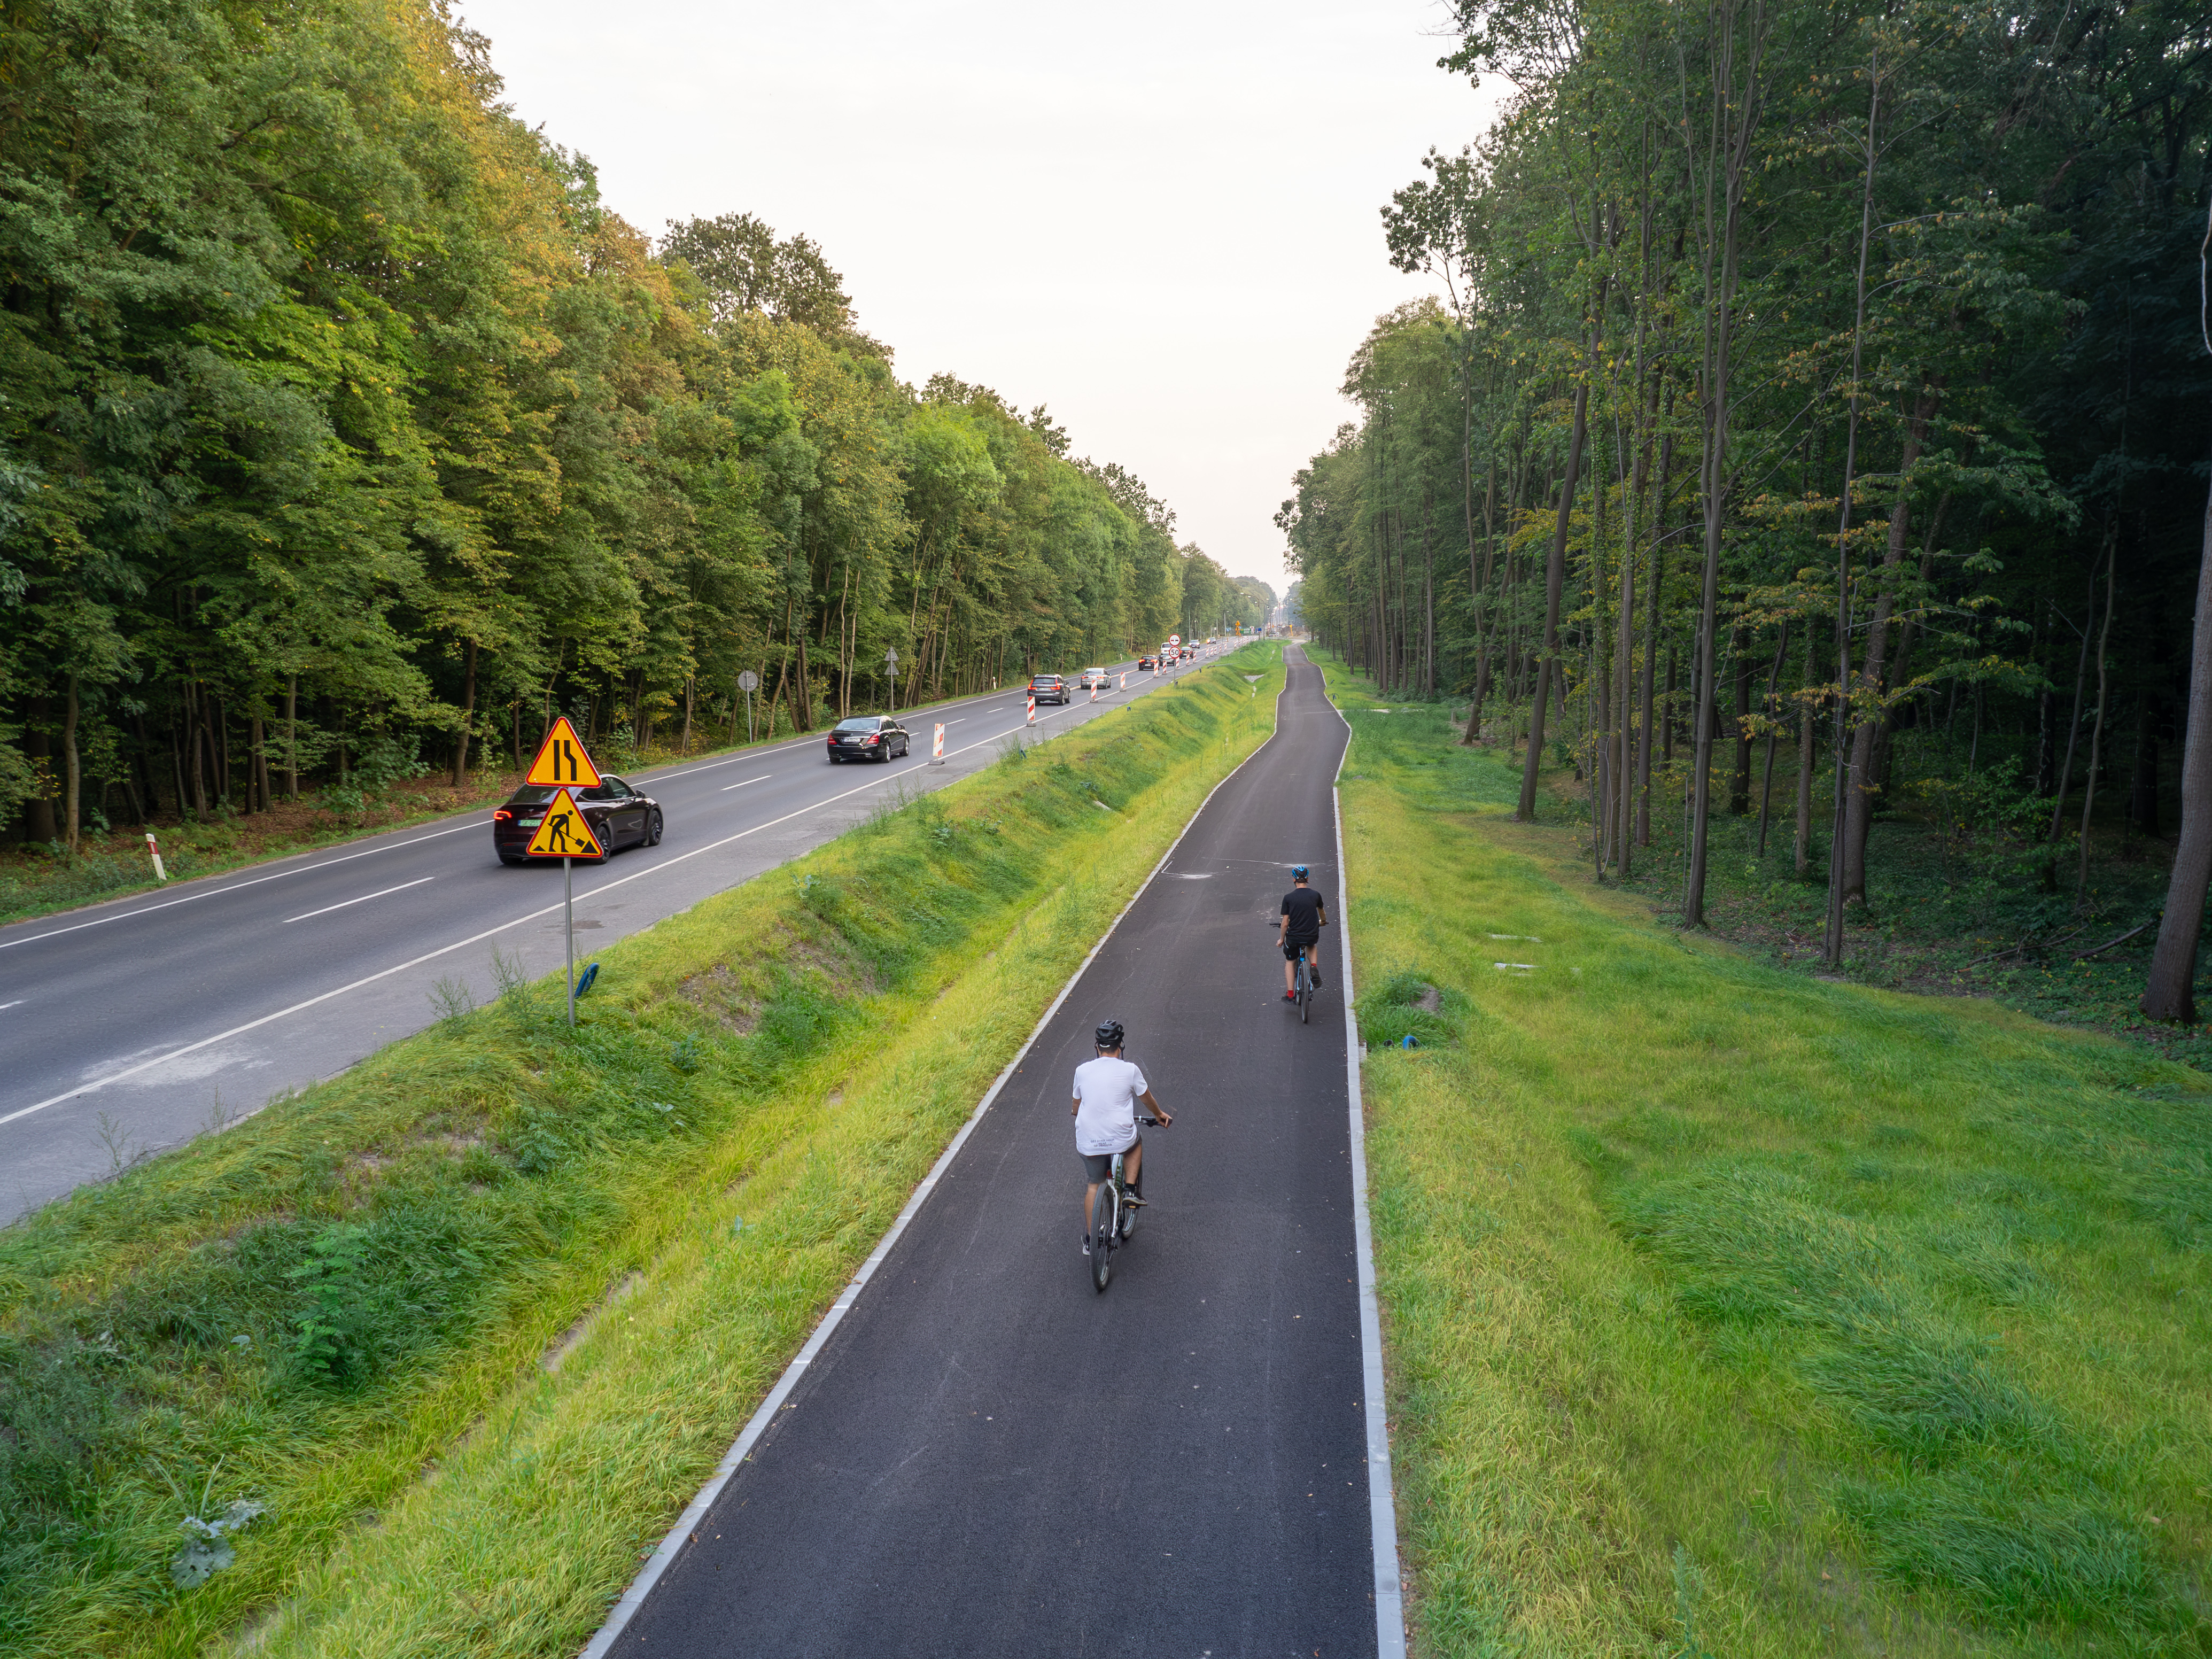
{"x": 1858, "y": 803}
{"x": 1805, "y": 746}
{"x": 2097, "y": 733}
{"x": 1740, "y": 784}
{"x": 72, "y": 772}
{"x": 2170, "y": 993}
{"x": 40, "y": 828}
{"x": 1555, "y": 576}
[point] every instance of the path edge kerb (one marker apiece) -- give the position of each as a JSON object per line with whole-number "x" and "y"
{"x": 1381, "y": 1498}
{"x": 665, "y": 1553}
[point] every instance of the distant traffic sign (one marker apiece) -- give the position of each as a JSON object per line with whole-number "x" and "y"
{"x": 748, "y": 680}
{"x": 561, "y": 760}
{"x": 565, "y": 833}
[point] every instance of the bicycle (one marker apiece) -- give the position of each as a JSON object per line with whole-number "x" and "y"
{"x": 1305, "y": 977}
{"x": 1113, "y": 1218}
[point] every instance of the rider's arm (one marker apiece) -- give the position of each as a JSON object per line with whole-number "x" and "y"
{"x": 1075, "y": 1106}
{"x": 1152, "y": 1104}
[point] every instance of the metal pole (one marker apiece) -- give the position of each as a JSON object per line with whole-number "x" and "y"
{"x": 568, "y": 905}
{"x": 749, "y": 718}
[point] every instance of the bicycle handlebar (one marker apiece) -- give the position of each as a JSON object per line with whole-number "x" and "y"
{"x": 1151, "y": 1122}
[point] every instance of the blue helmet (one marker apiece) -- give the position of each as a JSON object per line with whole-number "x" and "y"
{"x": 1298, "y": 873}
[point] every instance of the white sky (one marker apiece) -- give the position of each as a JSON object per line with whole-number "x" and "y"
{"x": 1159, "y": 219}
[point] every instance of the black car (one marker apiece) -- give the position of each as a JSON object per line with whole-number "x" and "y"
{"x": 1048, "y": 688}
{"x": 1148, "y": 664}
{"x": 619, "y": 816}
{"x": 868, "y": 737}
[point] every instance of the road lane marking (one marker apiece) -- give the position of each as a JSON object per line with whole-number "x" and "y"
{"x": 239, "y": 886}
{"x": 763, "y": 778}
{"x": 1381, "y": 1498}
{"x": 17, "y": 1003}
{"x": 473, "y": 939}
{"x": 363, "y": 899}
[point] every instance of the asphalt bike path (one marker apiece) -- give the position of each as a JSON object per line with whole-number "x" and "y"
{"x": 129, "y": 1027}
{"x": 987, "y": 1456}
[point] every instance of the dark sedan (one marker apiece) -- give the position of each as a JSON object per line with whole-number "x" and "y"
{"x": 868, "y": 737}
{"x": 619, "y": 816}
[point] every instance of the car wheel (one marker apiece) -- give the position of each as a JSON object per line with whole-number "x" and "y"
{"x": 883, "y": 756}
{"x": 652, "y": 829}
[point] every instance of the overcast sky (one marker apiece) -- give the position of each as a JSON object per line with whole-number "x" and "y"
{"x": 1159, "y": 219}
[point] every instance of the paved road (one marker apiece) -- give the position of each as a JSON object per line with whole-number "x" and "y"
{"x": 988, "y": 1458}
{"x": 131, "y": 1026}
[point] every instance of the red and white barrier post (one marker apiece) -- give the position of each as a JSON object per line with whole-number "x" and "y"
{"x": 1032, "y": 715}
{"x": 937, "y": 748}
{"x": 153, "y": 848}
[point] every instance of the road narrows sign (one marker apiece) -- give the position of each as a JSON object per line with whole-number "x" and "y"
{"x": 561, "y": 760}
{"x": 565, "y": 833}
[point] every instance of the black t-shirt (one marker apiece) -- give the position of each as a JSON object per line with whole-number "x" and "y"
{"x": 1302, "y": 906}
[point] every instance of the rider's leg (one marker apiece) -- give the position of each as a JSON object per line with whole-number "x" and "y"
{"x": 1133, "y": 1168}
{"x": 1290, "y": 985}
{"x": 1313, "y": 963}
{"x": 1090, "y": 1197}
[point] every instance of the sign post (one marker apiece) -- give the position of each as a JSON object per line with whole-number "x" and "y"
{"x": 746, "y": 682}
{"x": 564, "y": 833}
{"x": 891, "y": 667}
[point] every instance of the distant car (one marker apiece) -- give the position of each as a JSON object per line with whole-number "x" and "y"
{"x": 1047, "y": 688}
{"x": 868, "y": 737}
{"x": 619, "y": 816}
{"x": 1148, "y": 664}
{"x": 1092, "y": 679}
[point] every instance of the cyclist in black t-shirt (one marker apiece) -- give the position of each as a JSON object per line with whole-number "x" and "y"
{"x": 1303, "y": 917}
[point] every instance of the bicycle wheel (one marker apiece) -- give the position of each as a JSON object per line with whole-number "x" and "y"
{"x": 1128, "y": 1219}
{"x": 1102, "y": 1219}
{"x": 1305, "y": 993}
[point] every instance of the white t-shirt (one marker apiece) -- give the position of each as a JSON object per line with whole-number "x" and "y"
{"x": 1106, "y": 1120}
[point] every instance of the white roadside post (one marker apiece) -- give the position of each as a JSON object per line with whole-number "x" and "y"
{"x": 153, "y": 848}
{"x": 1032, "y": 711}
{"x": 937, "y": 748}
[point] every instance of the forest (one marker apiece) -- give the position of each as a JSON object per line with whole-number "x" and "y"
{"x": 1809, "y": 389}
{"x": 348, "y": 434}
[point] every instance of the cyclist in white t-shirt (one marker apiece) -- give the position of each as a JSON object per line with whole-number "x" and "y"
{"x": 1107, "y": 1092}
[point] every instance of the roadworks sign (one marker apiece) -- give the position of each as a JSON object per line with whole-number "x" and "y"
{"x": 565, "y": 832}
{"x": 562, "y": 760}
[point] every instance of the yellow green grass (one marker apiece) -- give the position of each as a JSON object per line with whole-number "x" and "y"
{"x": 1733, "y": 1313}
{"x": 501, "y": 1317}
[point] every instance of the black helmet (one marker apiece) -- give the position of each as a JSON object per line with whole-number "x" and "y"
{"x": 1298, "y": 873}
{"x": 1109, "y": 1034}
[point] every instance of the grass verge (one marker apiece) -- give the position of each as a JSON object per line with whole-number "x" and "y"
{"x": 473, "y": 1323}
{"x": 1732, "y": 1312}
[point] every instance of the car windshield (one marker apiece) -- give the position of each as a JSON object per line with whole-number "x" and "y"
{"x": 867, "y": 725}
{"x": 530, "y": 795}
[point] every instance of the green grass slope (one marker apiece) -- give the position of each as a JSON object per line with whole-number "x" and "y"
{"x": 473, "y": 1322}
{"x": 1733, "y": 1313}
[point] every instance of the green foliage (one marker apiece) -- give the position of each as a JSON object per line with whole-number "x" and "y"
{"x": 349, "y": 433}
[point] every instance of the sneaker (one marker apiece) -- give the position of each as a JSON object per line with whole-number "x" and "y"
{"x": 1086, "y": 1243}
{"x": 1290, "y": 996}
{"x": 1316, "y": 979}
{"x": 1134, "y": 1199}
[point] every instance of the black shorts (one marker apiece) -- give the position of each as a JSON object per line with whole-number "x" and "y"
{"x": 1096, "y": 1166}
{"x": 1293, "y": 948}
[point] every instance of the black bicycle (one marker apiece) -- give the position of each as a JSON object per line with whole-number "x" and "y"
{"x": 1113, "y": 1218}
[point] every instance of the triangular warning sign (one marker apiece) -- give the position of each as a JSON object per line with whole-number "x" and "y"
{"x": 565, "y": 833}
{"x": 561, "y": 760}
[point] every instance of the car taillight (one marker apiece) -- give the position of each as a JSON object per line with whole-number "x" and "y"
{"x": 872, "y": 737}
{"x": 501, "y": 816}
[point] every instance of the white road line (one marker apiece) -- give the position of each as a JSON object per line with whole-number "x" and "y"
{"x": 238, "y": 887}
{"x": 17, "y": 1003}
{"x": 642, "y": 1586}
{"x": 762, "y": 779}
{"x": 1381, "y": 1501}
{"x": 363, "y": 899}
{"x": 458, "y": 944}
